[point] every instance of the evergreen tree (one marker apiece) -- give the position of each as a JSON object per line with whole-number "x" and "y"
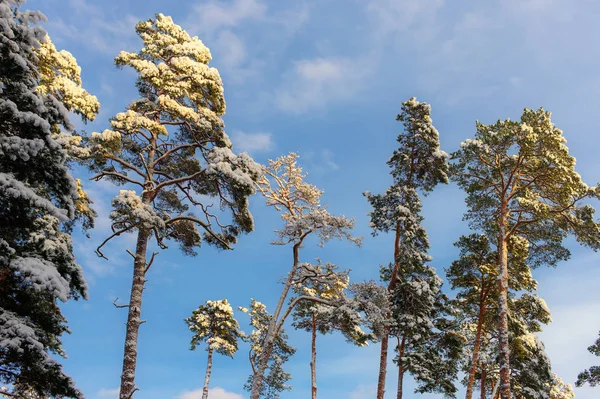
{"x": 39, "y": 201}
{"x": 591, "y": 375}
{"x": 275, "y": 378}
{"x": 214, "y": 324}
{"x": 284, "y": 188}
{"x": 520, "y": 181}
{"x": 318, "y": 317}
{"x": 171, "y": 145}
{"x": 417, "y": 165}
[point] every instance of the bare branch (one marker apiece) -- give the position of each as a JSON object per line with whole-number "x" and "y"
{"x": 117, "y": 305}
{"x": 172, "y": 150}
{"x": 100, "y": 175}
{"x": 115, "y": 234}
{"x": 179, "y": 180}
{"x": 151, "y": 261}
{"x": 294, "y": 303}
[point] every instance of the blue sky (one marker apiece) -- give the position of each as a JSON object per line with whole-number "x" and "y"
{"x": 325, "y": 79}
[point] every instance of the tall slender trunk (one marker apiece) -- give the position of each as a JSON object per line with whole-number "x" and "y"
{"x": 313, "y": 361}
{"x": 133, "y": 318}
{"x": 386, "y": 335}
{"x": 504, "y": 349}
{"x": 476, "y": 346}
{"x": 207, "y": 377}
{"x": 263, "y": 359}
{"x": 401, "y": 346}
{"x": 482, "y": 383}
{"x": 383, "y": 364}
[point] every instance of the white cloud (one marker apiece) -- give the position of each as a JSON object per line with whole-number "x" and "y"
{"x": 313, "y": 83}
{"x": 252, "y": 142}
{"x": 364, "y": 392}
{"x": 92, "y": 30}
{"x": 213, "y": 393}
{"x": 321, "y": 161}
{"x": 209, "y": 16}
{"x": 108, "y": 393}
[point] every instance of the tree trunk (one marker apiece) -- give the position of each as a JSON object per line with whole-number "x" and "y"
{"x": 504, "y": 349}
{"x": 476, "y": 347}
{"x": 133, "y": 319}
{"x": 207, "y": 377}
{"x": 263, "y": 359}
{"x": 482, "y": 383}
{"x": 400, "y": 367}
{"x": 383, "y": 364}
{"x": 313, "y": 362}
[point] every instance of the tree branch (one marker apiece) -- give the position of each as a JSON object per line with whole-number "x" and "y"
{"x": 201, "y": 223}
{"x": 179, "y": 180}
{"x": 294, "y": 303}
{"x": 117, "y": 305}
{"x": 115, "y": 234}
{"x": 100, "y": 175}
{"x": 150, "y": 263}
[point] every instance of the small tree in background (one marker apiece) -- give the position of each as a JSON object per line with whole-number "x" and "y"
{"x": 284, "y": 188}
{"x": 214, "y": 324}
{"x": 327, "y": 283}
{"x": 275, "y": 377}
{"x": 170, "y": 144}
{"x": 592, "y": 375}
{"x": 520, "y": 181}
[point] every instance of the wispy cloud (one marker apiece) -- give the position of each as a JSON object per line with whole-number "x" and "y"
{"x": 252, "y": 142}
{"x": 313, "y": 83}
{"x": 92, "y": 30}
{"x": 320, "y": 161}
{"x": 213, "y": 393}
{"x": 108, "y": 393}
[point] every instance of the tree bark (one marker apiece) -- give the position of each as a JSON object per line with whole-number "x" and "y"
{"x": 476, "y": 346}
{"x": 482, "y": 383}
{"x": 383, "y": 364}
{"x": 504, "y": 349}
{"x": 263, "y": 359}
{"x": 313, "y": 362}
{"x": 400, "y": 367}
{"x": 207, "y": 377}
{"x": 133, "y": 318}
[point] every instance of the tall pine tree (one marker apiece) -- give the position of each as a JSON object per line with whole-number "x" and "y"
{"x": 171, "y": 146}
{"x": 520, "y": 181}
{"x": 417, "y": 165}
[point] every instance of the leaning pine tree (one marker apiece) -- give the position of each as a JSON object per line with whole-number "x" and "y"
{"x": 38, "y": 203}
{"x": 284, "y": 188}
{"x": 520, "y": 181}
{"x": 171, "y": 145}
{"x": 214, "y": 324}
{"x": 417, "y": 165}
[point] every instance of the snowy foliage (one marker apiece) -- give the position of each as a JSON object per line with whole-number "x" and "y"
{"x": 214, "y": 324}
{"x": 276, "y": 378}
{"x": 591, "y": 375}
{"x": 171, "y": 144}
{"x": 38, "y": 201}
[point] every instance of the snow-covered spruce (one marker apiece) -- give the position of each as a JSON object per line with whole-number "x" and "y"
{"x": 417, "y": 165}
{"x": 170, "y": 149}
{"x": 39, "y": 200}
{"x": 521, "y": 182}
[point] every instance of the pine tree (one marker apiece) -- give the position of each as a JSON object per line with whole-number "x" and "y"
{"x": 275, "y": 378}
{"x": 284, "y": 188}
{"x": 474, "y": 274}
{"x": 591, "y": 375}
{"x": 38, "y": 204}
{"x": 171, "y": 145}
{"x": 417, "y": 165}
{"x": 318, "y": 317}
{"x": 520, "y": 181}
{"x": 214, "y": 324}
